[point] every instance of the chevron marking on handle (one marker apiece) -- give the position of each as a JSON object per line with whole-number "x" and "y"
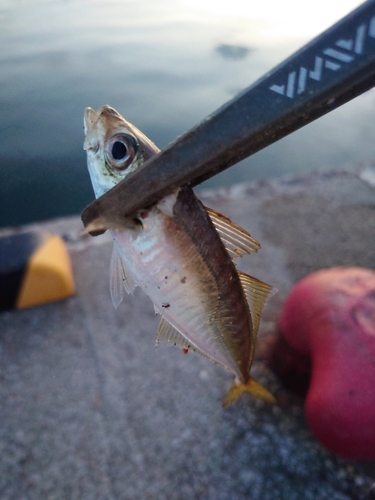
{"x": 333, "y": 58}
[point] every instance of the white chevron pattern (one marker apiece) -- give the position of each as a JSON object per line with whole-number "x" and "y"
{"x": 332, "y": 58}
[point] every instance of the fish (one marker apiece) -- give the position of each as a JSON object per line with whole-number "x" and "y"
{"x": 181, "y": 254}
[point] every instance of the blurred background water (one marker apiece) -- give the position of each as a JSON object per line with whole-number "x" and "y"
{"x": 164, "y": 65}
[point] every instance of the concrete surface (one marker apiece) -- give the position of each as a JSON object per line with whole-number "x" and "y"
{"x": 90, "y": 410}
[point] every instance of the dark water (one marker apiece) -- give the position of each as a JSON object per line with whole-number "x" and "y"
{"x": 164, "y": 65}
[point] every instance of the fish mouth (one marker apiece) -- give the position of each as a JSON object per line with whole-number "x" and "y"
{"x": 89, "y": 119}
{"x": 97, "y": 123}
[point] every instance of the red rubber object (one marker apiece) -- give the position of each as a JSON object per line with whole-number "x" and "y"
{"x": 329, "y": 317}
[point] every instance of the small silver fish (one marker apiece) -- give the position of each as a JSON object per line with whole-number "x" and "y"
{"x": 182, "y": 255}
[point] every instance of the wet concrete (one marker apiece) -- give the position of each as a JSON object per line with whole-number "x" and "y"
{"x": 90, "y": 410}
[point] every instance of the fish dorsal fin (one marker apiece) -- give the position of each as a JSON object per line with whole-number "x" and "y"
{"x": 257, "y": 292}
{"x": 236, "y": 240}
{"x": 168, "y": 332}
{"x": 119, "y": 279}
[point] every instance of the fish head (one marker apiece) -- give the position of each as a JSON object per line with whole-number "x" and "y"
{"x": 114, "y": 147}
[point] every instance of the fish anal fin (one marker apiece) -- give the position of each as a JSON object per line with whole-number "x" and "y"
{"x": 119, "y": 278}
{"x": 236, "y": 239}
{"x": 168, "y": 332}
{"x": 257, "y": 293}
{"x": 252, "y": 387}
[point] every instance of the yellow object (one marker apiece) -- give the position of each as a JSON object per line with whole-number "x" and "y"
{"x": 252, "y": 387}
{"x": 48, "y": 276}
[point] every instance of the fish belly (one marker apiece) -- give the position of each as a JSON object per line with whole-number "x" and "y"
{"x": 165, "y": 263}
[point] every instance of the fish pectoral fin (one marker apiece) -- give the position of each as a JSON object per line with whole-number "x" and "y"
{"x": 257, "y": 293}
{"x": 252, "y": 387}
{"x": 168, "y": 332}
{"x": 119, "y": 278}
{"x": 236, "y": 239}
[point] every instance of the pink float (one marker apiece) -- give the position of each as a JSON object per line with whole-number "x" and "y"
{"x": 329, "y": 321}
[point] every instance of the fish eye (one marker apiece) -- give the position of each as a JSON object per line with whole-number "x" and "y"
{"x": 121, "y": 149}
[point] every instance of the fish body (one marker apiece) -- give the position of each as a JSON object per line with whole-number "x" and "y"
{"x": 182, "y": 256}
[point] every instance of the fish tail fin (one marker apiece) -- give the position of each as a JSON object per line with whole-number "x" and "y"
{"x": 252, "y": 387}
